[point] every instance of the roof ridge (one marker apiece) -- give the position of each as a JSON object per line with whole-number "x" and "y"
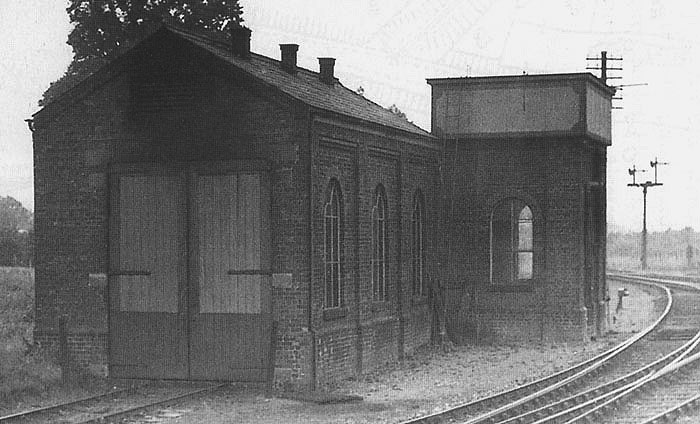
{"x": 220, "y": 43}
{"x": 304, "y": 86}
{"x": 377, "y": 104}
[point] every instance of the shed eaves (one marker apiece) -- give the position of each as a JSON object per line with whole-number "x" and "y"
{"x": 306, "y": 86}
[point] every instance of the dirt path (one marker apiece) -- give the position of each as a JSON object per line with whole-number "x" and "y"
{"x": 429, "y": 381}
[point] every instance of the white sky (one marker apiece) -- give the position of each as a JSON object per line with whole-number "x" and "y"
{"x": 390, "y": 47}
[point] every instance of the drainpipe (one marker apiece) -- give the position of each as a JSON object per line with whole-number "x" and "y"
{"x": 309, "y": 308}
{"x": 399, "y": 256}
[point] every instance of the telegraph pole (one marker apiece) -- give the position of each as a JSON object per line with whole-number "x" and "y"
{"x": 604, "y": 68}
{"x": 645, "y": 185}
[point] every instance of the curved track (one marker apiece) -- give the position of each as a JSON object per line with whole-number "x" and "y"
{"x": 665, "y": 396}
{"x": 585, "y": 392}
{"x": 650, "y": 377}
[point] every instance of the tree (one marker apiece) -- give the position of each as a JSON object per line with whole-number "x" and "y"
{"x": 14, "y": 216}
{"x": 16, "y": 235}
{"x": 396, "y": 111}
{"x": 102, "y": 28}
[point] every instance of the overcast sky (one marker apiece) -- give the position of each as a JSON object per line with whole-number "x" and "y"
{"x": 390, "y": 47}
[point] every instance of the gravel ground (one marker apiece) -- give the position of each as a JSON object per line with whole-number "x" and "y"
{"x": 428, "y": 381}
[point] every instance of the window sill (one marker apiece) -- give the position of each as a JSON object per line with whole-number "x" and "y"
{"x": 512, "y": 287}
{"x": 335, "y": 313}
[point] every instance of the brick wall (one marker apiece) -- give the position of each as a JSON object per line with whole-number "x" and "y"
{"x": 88, "y": 351}
{"x": 365, "y": 333}
{"x": 73, "y": 147}
{"x": 420, "y": 175}
{"x": 545, "y": 174}
{"x": 220, "y": 119}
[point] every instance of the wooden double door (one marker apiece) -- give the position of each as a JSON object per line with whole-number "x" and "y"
{"x": 189, "y": 286}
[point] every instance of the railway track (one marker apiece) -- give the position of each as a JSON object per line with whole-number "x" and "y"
{"x": 601, "y": 389}
{"x": 667, "y": 396}
{"x": 649, "y": 378}
{"x": 111, "y": 406}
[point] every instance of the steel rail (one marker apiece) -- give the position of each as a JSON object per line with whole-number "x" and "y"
{"x": 103, "y": 418}
{"x": 641, "y": 279}
{"x": 602, "y": 361}
{"x": 561, "y": 379}
{"x": 675, "y": 366}
{"x": 24, "y": 415}
{"x": 611, "y": 387}
{"x": 648, "y": 380}
{"x": 606, "y": 399}
{"x": 673, "y": 411}
{"x": 578, "y": 371}
{"x": 615, "y": 395}
{"x": 49, "y": 408}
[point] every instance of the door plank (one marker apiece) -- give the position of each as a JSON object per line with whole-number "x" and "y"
{"x": 230, "y": 337}
{"x": 148, "y": 338}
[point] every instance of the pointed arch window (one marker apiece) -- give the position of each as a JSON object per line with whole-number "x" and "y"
{"x": 512, "y": 246}
{"x": 332, "y": 214}
{"x": 378, "y": 260}
{"x": 417, "y": 248}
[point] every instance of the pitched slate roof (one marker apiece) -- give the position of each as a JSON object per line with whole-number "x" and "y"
{"x": 304, "y": 85}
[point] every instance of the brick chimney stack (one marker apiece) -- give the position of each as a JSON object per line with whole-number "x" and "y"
{"x": 326, "y": 66}
{"x": 240, "y": 41}
{"x": 289, "y": 57}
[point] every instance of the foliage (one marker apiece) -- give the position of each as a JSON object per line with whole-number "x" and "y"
{"x": 22, "y": 368}
{"x": 14, "y": 216}
{"x": 396, "y": 111}
{"x": 16, "y": 222}
{"x": 16, "y": 247}
{"x": 102, "y": 28}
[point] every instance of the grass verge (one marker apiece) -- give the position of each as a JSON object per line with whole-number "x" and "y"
{"x": 24, "y": 369}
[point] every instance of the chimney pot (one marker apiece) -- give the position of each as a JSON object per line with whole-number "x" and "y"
{"x": 289, "y": 57}
{"x": 326, "y": 65}
{"x": 240, "y": 41}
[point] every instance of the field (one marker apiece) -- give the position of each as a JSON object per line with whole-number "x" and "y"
{"x": 667, "y": 251}
{"x": 24, "y": 370}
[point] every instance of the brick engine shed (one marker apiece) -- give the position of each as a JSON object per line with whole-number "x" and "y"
{"x": 202, "y": 211}
{"x": 192, "y": 193}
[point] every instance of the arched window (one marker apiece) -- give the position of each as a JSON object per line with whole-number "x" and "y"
{"x": 417, "y": 253}
{"x": 378, "y": 260}
{"x": 332, "y": 214}
{"x": 512, "y": 250}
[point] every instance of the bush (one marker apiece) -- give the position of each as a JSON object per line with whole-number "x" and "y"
{"x": 16, "y": 247}
{"x": 25, "y": 372}
{"x": 23, "y": 368}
